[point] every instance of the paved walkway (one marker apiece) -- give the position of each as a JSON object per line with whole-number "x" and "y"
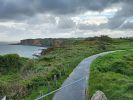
{"x": 77, "y": 90}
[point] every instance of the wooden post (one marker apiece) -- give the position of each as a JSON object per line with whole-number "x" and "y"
{"x": 55, "y": 79}
{"x": 48, "y": 86}
{"x": 41, "y": 93}
{"x": 60, "y": 74}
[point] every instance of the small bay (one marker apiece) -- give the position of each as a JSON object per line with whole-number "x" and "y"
{"x": 21, "y": 50}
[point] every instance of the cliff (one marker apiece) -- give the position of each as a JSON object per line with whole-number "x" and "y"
{"x": 50, "y": 42}
{"x": 35, "y": 42}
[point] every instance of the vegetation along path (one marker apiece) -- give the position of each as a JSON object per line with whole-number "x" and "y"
{"x": 76, "y": 84}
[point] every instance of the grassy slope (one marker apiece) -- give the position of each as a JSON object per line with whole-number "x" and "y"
{"x": 113, "y": 74}
{"x": 59, "y": 60}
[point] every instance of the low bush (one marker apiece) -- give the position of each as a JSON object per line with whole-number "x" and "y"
{"x": 10, "y": 62}
{"x": 119, "y": 67}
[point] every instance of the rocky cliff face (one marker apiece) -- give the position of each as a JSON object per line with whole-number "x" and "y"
{"x": 50, "y": 42}
{"x": 36, "y": 42}
{"x": 44, "y": 42}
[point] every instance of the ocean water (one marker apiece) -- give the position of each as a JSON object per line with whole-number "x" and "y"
{"x": 21, "y": 50}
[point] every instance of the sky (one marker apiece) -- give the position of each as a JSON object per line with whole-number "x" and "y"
{"x": 23, "y": 19}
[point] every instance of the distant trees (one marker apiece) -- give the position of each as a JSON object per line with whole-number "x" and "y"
{"x": 102, "y": 41}
{"x": 103, "y": 38}
{"x": 9, "y": 62}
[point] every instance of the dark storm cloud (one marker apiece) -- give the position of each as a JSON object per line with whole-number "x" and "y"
{"x": 21, "y": 9}
{"x": 73, "y": 6}
{"x": 15, "y": 9}
{"x": 127, "y": 9}
{"x": 122, "y": 15}
{"x": 128, "y": 25}
{"x": 115, "y": 22}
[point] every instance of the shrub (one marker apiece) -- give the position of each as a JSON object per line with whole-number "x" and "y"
{"x": 47, "y": 58}
{"x": 102, "y": 45}
{"x": 10, "y": 62}
{"x": 128, "y": 58}
{"x": 119, "y": 67}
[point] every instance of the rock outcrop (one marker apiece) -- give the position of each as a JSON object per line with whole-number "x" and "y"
{"x": 99, "y": 95}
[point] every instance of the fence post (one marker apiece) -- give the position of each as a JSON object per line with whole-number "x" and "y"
{"x": 55, "y": 78}
{"x": 48, "y": 86}
{"x": 41, "y": 93}
{"x": 60, "y": 74}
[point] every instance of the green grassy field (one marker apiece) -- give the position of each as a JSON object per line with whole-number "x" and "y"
{"x": 36, "y": 76}
{"x": 113, "y": 74}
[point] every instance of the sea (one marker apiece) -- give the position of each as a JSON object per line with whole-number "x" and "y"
{"x": 21, "y": 50}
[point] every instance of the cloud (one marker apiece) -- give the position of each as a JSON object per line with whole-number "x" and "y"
{"x": 122, "y": 16}
{"x": 66, "y": 23}
{"x": 92, "y": 27}
{"x": 128, "y": 25}
{"x": 37, "y": 11}
{"x": 15, "y": 9}
{"x": 21, "y": 9}
{"x": 60, "y": 18}
{"x": 41, "y": 19}
{"x": 88, "y": 27}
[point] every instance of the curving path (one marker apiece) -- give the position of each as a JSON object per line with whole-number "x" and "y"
{"x": 77, "y": 82}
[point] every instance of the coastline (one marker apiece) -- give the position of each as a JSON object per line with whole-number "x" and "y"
{"x": 28, "y": 51}
{"x": 26, "y": 45}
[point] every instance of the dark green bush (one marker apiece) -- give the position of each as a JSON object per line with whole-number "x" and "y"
{"x": 130, "y": 87}
{"x": 10, "y": 62}
{"x": 103, "y": 69}
{"x": 47, "y": 58}
{"x": 128, "y": 58}
{"x": 119, "y": 67}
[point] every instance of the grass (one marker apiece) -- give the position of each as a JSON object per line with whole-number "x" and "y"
{"x": 113, "y": 74}
{"x": 34, "y": 75}
{"x": 10, "y": 77}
